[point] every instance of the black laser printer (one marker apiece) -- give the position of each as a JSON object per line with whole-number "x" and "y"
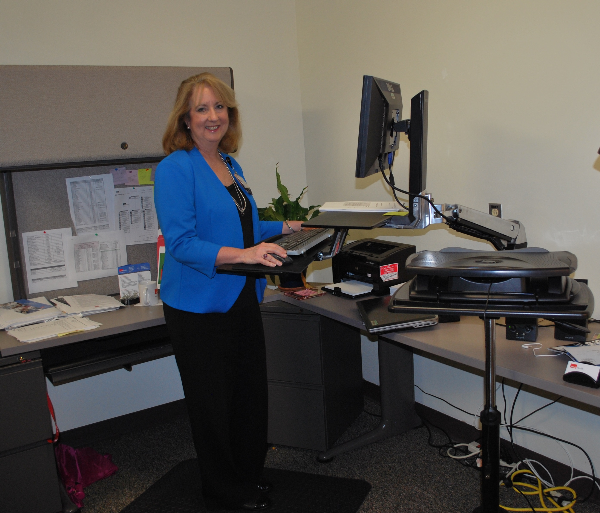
{"x": 378, "y": 262}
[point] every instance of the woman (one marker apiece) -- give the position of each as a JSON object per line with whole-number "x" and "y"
{"x": 208, "y": 217}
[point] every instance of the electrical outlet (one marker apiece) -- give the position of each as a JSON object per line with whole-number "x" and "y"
{"x": 496, "y": 209}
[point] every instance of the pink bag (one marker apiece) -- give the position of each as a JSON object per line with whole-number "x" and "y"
{"x": 79, "y": 468}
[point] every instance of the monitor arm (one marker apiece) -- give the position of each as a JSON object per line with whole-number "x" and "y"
{"x": 501, "y": 233}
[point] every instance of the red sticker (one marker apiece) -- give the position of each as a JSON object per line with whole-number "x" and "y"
{"x": 388, "y": 272}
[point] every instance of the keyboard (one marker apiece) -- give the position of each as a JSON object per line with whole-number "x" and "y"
{"x": 300, "y": 242}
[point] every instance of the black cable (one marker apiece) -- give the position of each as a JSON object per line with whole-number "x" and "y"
{"x": 444, "y": 400}
{"x": 424, "y": 423}
{"x": 540, "y": 408}
{"x": 504, "y": 399}
{"x": 473, "y": 232}
{"x": 391, "y": 183}
{"x": 487, "y": 299}
{"x": 512, "y": 410}
{"x": 451, "y": 444}
{"x": 437, "y": 210}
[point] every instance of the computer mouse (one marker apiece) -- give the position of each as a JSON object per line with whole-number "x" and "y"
{"x": 283, "y": 260}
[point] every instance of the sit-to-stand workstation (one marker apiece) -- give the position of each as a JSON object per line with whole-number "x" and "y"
{"x": 519, "y": 283}
{"x": 313, "y": 409}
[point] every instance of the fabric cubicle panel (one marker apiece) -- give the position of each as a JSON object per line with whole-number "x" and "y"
{"x": 58, "y": 122}
{"x": 51, "y": 114}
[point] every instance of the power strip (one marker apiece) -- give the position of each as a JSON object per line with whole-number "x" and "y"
{"x": 474, "y": 447}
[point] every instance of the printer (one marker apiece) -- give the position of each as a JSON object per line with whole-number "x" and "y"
{"x": 377, "y": 262}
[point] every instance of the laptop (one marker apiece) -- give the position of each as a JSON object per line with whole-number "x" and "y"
{"x": 377, "y": 318}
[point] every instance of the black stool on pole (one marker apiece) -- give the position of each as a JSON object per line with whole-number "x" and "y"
{"x": 520, "y": 284}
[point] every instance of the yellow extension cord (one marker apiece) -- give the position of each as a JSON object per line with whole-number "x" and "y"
{"x": 542, "y": 493}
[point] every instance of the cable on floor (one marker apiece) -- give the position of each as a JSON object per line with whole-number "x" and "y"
{"x": 543, "y": 494}
{"x": 451, "y": 449}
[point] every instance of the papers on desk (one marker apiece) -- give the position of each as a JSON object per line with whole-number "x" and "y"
{"x": 350, "y": 288}
{"x": 86, "y": 304}
{"x": 55, "y": 328}
{"x": 360, "y": 206}
{"x": 582, "y": 353}
{"x": 27, "y": 311}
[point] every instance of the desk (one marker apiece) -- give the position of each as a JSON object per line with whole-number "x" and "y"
{"x": 457, "y": 342}
{"x": 460, "y": 342}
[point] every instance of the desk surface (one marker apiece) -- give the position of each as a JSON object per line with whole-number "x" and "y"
{"x": 128, "y": 318}
{"x": 461, "y": 342}
{"x": 464, "y": 342}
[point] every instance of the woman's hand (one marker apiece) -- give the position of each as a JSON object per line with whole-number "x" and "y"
{"x": 260, "y": 254}
{"x": 263, "y": 254}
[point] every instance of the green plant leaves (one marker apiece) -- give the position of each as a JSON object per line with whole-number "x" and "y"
{"x": 284, "y": 209}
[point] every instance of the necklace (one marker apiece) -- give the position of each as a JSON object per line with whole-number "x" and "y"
{"x": 240, "y": 195}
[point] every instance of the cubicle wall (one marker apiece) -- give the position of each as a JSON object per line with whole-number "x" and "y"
{"x": 60, "y": 122}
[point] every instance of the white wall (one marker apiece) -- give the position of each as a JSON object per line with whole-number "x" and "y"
{"x": 257, "y": 39}
{"x": 514, "y": 118}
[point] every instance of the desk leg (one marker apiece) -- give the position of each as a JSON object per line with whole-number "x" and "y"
{"x": 396, "y": 382}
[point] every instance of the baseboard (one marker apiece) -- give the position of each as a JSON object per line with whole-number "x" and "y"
{"x": 462, "y": 432}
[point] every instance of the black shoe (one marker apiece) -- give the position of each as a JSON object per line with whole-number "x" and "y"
{"x": 260, "y": 503}
{"x": 264, "y": 486}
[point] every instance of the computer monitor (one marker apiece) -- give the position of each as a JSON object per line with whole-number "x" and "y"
{"x": 380, "y": 109}
{"x": 379, "y": 132}
{"x": 417, "y": 135}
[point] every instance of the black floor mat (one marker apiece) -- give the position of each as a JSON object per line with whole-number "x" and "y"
{"x": 293, "y": 492}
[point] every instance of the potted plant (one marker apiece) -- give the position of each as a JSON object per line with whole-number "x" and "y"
{"x": 284, "y": 208}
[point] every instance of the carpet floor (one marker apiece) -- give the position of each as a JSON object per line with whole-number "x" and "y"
{"x": 405, "y": 472}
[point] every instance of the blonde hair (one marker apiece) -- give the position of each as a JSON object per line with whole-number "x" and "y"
{"x": 178, "y": 137}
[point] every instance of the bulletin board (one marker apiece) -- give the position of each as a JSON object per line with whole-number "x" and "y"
{"x": 60, "y": 122}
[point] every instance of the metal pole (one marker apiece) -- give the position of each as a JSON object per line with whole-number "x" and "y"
{"x": 490, "y": 427}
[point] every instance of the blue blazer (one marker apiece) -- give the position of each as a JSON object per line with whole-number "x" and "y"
{"x": 197, "y": 217}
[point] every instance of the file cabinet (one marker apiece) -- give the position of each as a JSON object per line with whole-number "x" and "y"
{"x": 29, "y": 480}
{"x": 314, "y": 371}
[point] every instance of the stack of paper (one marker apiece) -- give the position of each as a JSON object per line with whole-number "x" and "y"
{"x": 86, "y": 304}
{"x": 56, "y": 328}
{"x": 588, "y": 352}
{"x": 360, "y": 206}
{"x": 26, "y": 311}
{"x": 349, "y": 288}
